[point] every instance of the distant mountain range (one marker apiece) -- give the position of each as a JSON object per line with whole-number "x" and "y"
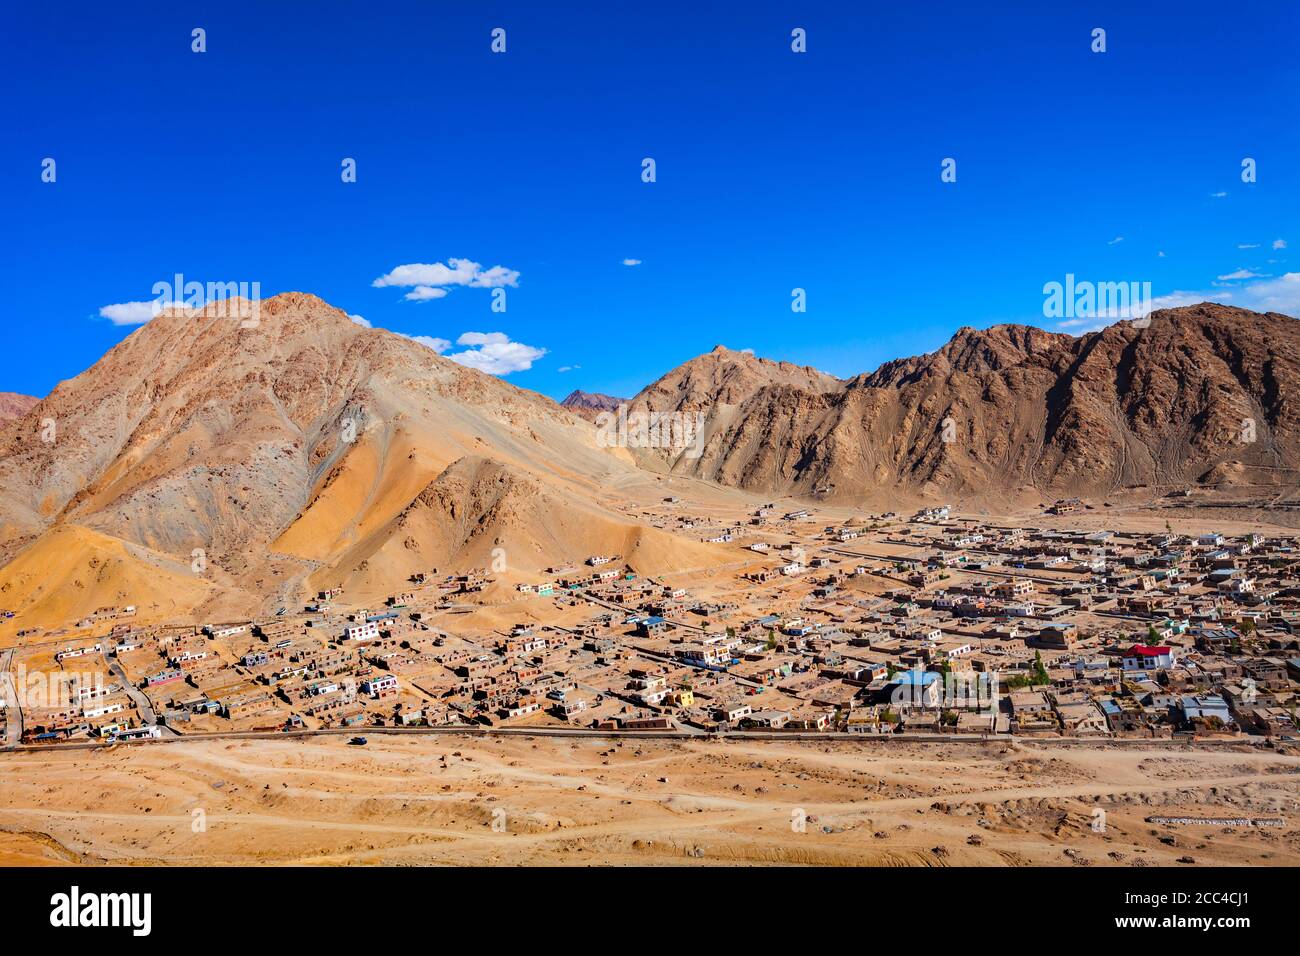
{"x": 311, "y": 451}
{"x": 13, "y": 405}
{"x": 588, "y": 405}
{"x": 1205, "y": 394}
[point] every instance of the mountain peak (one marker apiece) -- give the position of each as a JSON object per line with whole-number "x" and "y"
{"x": 724, "y": 376}
{"x": 14, "y": 405}
{"x": 201, "y": 430}
{"x": 589, "y": 405}
{"x": 999, "y": 346}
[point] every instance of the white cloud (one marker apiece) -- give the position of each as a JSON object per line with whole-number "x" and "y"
{"x": 1090, "y": 324}
{"x": 1279, "y": 243}
{"x": 1248, "y": 245}
{"x": 362, "y": 321}
{"x": 482, "y": 338}
{"x": 490, "y": 352}
{"x": 1172, "y": 300}
{"x": 495, "y": 353}
{"x": 631, "y": 262}
{"x": 496, "y": 277}
{"x": 1241, "y": 274}
{"x": 568, "y": 368}
{"x": 1218, "y": 195}
{"x": 1280, "y": 294}
{"x": 136, "y": 313}
{"x": 430, "y": 280}
{"x": 1180, "y": 298}
{"x": 1115, "y": 240}
{"x": 438, "y": 345}
{"x": 128, "y": 313}
{"x": 1274, "y": 295}
{"x": 1160, "y": 254}
{"x": 424, "y": 293}
{"x": 1095, "y": 323}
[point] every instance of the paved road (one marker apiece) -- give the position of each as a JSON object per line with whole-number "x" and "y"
{"x": 13, "y": 704}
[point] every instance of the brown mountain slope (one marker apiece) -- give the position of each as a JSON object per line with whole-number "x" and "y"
{"x": 13, "y": 405}
{"x": 483, "y": 513}
{"x": 196, "y": 432}
{"x": 1203, "y": 393}
{"x": 274, "y": 450}
{"x": 714, "y": 394}
{"x": 726, "y": 377}
{"x": 973, "y": 351}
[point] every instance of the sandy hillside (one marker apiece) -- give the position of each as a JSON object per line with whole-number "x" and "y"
{"x": 480, "y": 510}
{"x": 71, "y": 571}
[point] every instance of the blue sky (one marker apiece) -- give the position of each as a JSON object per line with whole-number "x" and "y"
{"x": 775, "y": 170}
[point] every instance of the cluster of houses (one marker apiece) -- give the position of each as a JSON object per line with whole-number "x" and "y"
{"x": 938, "y": 626}
{"x": 878, "y": 625}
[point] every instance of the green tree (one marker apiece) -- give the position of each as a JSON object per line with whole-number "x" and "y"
{"x": 1040, "y": 670}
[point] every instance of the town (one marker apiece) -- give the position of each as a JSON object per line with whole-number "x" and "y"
{"x": 925, "y": 626}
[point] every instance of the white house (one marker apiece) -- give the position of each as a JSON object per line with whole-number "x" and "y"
{"x": 1144, "y": 658}
{"x": 369, "y": 631}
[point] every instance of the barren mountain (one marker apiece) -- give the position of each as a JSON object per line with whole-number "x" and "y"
{"x": 1205, "y": 393}
{"x": 13, "y": 405}
{"x": 204, "y": 467}
{"x": 727, "y": 377}
{"x": 256, "y": 458}
{"x": 589, "y": 405}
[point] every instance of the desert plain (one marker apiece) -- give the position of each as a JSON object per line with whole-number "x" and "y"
{"x": 455, "y": 800}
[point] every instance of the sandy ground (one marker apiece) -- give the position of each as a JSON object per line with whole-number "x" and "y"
{"x": 444, "y": 801}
